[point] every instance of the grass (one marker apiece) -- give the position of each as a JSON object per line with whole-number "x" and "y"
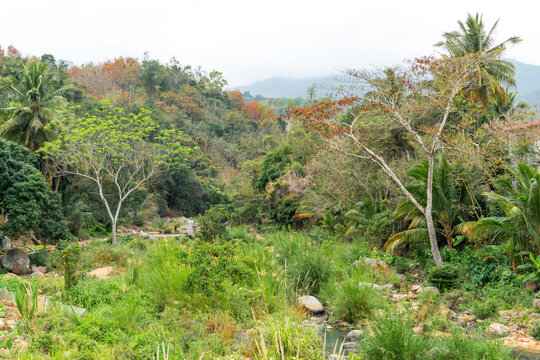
{"x": 146, "y": 307}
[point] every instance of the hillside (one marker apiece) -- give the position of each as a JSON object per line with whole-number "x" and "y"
{"x": 527, "y": 79}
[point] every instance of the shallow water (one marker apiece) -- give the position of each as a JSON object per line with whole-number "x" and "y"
{"x": 525, "y": 355}
{"x": 334, "y": 339}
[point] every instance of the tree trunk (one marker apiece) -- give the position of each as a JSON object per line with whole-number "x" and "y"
{"x": 428, "y": 213}
{"x": 433, "y": 238}
{"x": 113, "y": 225}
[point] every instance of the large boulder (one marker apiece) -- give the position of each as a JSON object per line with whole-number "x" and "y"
{"x": 16, "y": 261}
{"x": 311, "y": 303}
{"x": 497, "y": 329}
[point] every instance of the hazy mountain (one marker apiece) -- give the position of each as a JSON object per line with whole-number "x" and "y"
{"x": 278, "y": 87}
{"x": 527, "y": 79}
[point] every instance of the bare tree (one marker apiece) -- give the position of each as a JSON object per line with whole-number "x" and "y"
{"x": 420, "y": 99}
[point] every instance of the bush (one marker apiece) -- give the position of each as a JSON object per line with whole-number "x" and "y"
{"x": 355, "y": 302}
{"x": 535, "y": 332}
{"x": 213, "y": 223}
{"x": 444, "y": 277}
{"x": 459, "y": 346}
{"x": 88, "y": 293}
{"x": 393, "y": 339}
{"x": 485, "y": 309}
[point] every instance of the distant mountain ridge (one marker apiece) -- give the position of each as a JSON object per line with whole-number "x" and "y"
{"x": 527, "y": 80}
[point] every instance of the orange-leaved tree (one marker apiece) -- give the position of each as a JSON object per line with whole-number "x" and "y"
{"x": 419, "y": 99}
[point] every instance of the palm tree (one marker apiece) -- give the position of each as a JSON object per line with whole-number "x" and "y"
{"x": 33, "y": 103}
{"x": 472, "y": 38}
{"x": 520, "y": 205}
{"x": 448, "y": 196}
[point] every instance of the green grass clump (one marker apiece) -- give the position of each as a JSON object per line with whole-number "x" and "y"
{"x": 486, "y": 308}
{"x": 393, "y": 339}
{"x": 355, "y": 302}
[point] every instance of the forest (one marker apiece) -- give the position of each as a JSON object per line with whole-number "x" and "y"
{"x": 149, "y": 211}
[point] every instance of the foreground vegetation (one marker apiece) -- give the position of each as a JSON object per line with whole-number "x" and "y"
{"x": 411, "y": 212}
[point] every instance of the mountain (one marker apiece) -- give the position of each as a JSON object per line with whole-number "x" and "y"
{"x": 527, "y": 79}
{"x": 284, "y": 87}
{"x": 528, "y": 82}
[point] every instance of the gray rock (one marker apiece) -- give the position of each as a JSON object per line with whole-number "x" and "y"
{"x": 37, "y": 274}
{"x": 431, "y": 289}
{"x": 536, "y": 303}
{"x": 372, "y": 262}
{"x": 401, "y": 277}
{"x": 374, "y": 286}
{"x": 311, "y": 303}
{"x": 16, "y": 261}
{"x": 6, "y": 295}
{"x": 350, "y": 346}
{"x": 399, "y": 297}
{"x": 388, "y": 287}
{"x": 41, "y": 269}
{"x": 72, "y": 309}
{"x": 353, "y": 335}
{"x": 498, "y": 330}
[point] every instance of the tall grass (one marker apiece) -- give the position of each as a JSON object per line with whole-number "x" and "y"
{"x": 164, "y": 272}
{"x": 394, "y": 339}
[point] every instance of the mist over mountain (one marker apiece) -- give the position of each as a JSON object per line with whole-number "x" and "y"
{"x": 527, "y": 80}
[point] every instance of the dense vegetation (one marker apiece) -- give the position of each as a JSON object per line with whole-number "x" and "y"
{"x": 365, "y": 201}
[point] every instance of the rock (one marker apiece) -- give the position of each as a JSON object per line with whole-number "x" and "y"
{"x": 431, "y": 289}
{"x": 6, "y": 295}
{"x": 401, "y": 277}
{"x": 37, "y": 273}
{"x": 144, "y": 235}
{"x": 337, "y": 357}
{"x": 43, "y": 303}
{"x": 508, "y": 313}
{"x": 41, "y": 269}
{"x": 388, "y": 287}
{"x": 350, "y": 346}
{"x": 16, "y": 261}
{"x": 343, "y": 325}
{"x": 5, "y": 242}
{"x": 73, "y": 309}
{"x": 399, "y": 297}
{"x": 513, "y": 328}
{"x": 190, "y": 228}
{"x": 374, "y": 286}
{"x": 11, "y": 323}
{"x": 311, "y": 303}
{"x": 498, "y": 330}
{"x": 466, "y": 318}
{"x": 418, "y": 330}
{"x": 372, "y": 262}
{"x": 101, "y": 272}
{"x": 536, "y": 303}
{"x": 353, "y": 335}
{"x": 416, "y": 287}
{"x": 533, "y": 285}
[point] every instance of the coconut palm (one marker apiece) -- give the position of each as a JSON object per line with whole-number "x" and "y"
{"x": 520, "y": 204}
{"x": 448, "y": 196}
{"x": 34, "y": 100}
{"x": 472, "y": 38}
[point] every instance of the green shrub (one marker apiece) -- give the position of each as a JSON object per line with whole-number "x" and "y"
{"x": 486, "y": 308}
{"x": 69, "y": 264}
{"x": 88, "y": 293}
{"x": 355, "y": 302}
{"x": 41, "y": 258}
{"x": 393, "y": 339}
{"x": 444, "y": 277}
{"x": 460, "y": 346}
{"x": 536, "y": 331}
{"x": 213, "y": 223}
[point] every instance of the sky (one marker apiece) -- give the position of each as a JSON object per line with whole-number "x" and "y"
{"x": 251, "y": 40}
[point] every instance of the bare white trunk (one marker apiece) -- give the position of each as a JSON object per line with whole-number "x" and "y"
{"x": 428, "y": 213}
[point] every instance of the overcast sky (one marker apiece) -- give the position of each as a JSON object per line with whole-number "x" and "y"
{"x": 249, "y": 40}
